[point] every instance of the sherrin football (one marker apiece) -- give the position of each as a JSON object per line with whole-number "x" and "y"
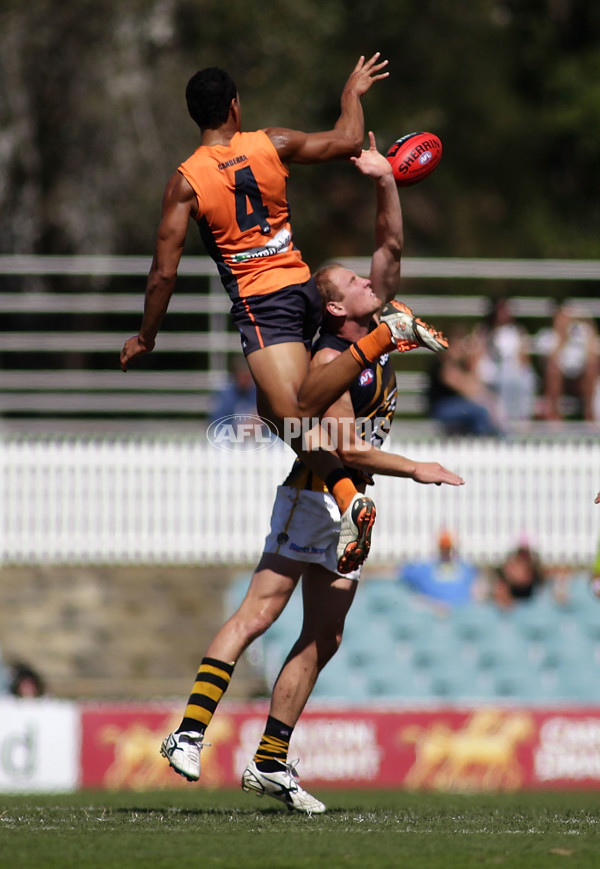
{"x": 414, "y": 157}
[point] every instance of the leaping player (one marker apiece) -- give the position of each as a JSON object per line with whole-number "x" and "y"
{"x": 234, "y": 188}
{"x": 305, "y": 522}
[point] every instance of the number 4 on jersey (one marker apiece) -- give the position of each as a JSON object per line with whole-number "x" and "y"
{"x": 250, "y": 210}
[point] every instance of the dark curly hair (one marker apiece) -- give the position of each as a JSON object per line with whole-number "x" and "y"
{"x": 208, "y": 94}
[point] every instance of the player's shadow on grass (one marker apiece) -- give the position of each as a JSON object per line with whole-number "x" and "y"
{"x": 268, "y": 811}
{"x": 173, "y": 812}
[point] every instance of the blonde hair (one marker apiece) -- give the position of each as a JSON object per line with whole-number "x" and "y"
{"x": 328, "y": 289}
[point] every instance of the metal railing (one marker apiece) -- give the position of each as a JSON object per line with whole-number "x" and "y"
{"x": 43, "y": 387}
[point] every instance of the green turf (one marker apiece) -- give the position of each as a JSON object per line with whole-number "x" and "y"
{"x": 198, "y": 828}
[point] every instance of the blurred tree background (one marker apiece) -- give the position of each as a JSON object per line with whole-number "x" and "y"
{"x": 93, "y": 117}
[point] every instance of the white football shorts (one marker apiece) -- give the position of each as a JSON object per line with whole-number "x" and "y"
{"x": 305, "y": 526}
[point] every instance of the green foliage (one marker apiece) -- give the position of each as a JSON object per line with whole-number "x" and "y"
{"x": 93, "y": 117}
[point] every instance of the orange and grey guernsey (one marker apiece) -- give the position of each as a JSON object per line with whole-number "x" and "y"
{"x": 243, "y": 214}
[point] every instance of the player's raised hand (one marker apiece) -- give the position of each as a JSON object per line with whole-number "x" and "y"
{"x": 597, "y": 499}
{"x": 365, "y": 73}
{"x": 371, "y": 163}
{"x": 433, "y": 472}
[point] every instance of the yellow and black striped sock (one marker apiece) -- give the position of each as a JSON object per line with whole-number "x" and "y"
{"x": 272, "y": 752}
{"x": 211, "y": 683}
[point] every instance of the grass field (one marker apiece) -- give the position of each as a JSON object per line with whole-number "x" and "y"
{"x": 197, "y": 828}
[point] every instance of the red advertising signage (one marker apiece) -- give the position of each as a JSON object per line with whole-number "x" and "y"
{"x": 466, "y": 749}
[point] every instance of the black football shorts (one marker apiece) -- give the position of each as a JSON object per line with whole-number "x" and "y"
{"x": 291, "y": 314}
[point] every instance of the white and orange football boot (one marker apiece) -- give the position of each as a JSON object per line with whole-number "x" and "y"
{"x": 409, "y": 331}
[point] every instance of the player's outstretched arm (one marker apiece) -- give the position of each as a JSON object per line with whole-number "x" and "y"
{"x": 371, "y": 460}
{"x": 179, "y": 204}
{"x": 346, "y": 138}
{"x": 389, "y": 233}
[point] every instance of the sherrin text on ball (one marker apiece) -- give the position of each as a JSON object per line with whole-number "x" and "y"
{"x": 414, "y": 157}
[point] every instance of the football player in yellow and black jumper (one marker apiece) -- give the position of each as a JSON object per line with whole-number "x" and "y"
{"x": 305, "y": 521}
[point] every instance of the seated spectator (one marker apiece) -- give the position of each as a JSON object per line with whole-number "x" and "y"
{"x": 25, "y": 681}
{"x": 239, "y": 395}
{"x": 519, "y": 577}
{"x": 445, "y": 578}
{"x": 570, "y": 367}
{"x": 457, "y": 397}
{"x": 504, "y": 365}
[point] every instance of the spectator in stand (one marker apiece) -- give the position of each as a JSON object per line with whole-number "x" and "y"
{"x": 503, "y": 363}
{"x": 571, "y": 368}
{"x": 457, "y": 397}
{"x": 519, "y": 577}
{"x": 239, "y": 394}
{"x": 447, "y": 578}
{"x": 25, "y": 681}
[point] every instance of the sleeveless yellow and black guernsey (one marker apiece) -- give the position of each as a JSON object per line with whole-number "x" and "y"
{"x": 373, "y": 395}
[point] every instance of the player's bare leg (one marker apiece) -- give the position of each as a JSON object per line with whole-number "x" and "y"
{"x": 327, "y": 599}
{"x": 270, "y": 588}
{"x": 280, "y": 370}
{"x": 398, "y": 330}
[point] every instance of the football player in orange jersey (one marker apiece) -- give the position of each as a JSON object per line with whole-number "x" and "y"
{"x": 234, "y": 187}
{"x": 304, "y": 526}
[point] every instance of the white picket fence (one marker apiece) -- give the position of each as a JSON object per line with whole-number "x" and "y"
{"x": 181, "y": 500}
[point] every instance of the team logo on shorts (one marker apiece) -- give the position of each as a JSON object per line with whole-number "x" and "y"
{"x": 282, "y": 537}
{"x": 366, "y": 376}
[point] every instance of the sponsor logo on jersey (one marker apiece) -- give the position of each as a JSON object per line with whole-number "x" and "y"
{"x": 280, "y": 243}
{"x": 366, "y": 376}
